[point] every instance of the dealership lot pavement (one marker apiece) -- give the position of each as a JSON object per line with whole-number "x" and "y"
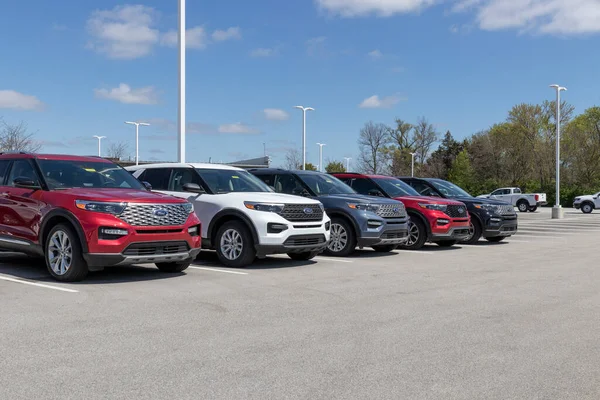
{"x": 510, "y": 320}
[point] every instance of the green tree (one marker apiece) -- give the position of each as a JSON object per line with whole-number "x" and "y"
{"x": 462, "y": 173}
{"x": 309, "y": 167}
{"x": 335, "y": 166}
{"x": 441, "y": 160}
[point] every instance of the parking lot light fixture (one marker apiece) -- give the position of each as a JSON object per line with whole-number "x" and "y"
{"x": 347, "y": 163}
{"x": 99, "y": 140}
{"x": 304, "y": 110}
{"x": 137, "y": 138}
{"x": 321, "y": 156}
{"x": 557, "y": 211}
{"x": 412, "y": 164}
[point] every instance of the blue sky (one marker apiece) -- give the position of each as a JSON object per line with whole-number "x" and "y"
{"x": 74, "y": 69}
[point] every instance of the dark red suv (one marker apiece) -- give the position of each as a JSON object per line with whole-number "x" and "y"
{"x": 86, "y": 213}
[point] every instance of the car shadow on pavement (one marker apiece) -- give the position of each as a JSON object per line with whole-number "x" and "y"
{"x": 486, "y": 243}
{"x": 21, "y": 266}
{"x": 432, "y": 248}
{"x": 209, "y": 259}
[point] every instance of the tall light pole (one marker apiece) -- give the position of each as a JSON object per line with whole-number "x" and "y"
{"x": 557, "y": 211}
{"x": 137, "y": 138}
{"x": 304, "y": 110}
{"x": 321, "y": 155}
{"x": 181, "y": 105}
{"x": 412, "y": 164}
{"x": 347, "y": 163}
{"x": 99, "y": 140}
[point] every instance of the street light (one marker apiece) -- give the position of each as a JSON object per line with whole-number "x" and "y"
{"x": 557, "y": 211}
{"x": 347, "y": 163}
{"x": 321, "y": 155}
{"x": 137, "y": 138}
{"x": 99, "y": 140}
{"x": 304, "y": 110}
{"x": 181, "y": 104}
{"x": 412, "y": 164}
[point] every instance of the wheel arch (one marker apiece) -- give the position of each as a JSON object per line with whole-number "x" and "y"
{"x": 346, "y": 217}
{"x": 227, "y": 215}
{"x": 414, "y": 213}
{"x": 58, "y": 216}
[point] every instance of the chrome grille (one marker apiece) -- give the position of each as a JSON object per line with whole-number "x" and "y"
{"x": 507, "y": 209}
{"x": 392, "y": 210}
{"x": 456, "y": 211}
{"x": 302, "y": 212}
{"x": 140, "y": 214}
{"x": 304, "y": 240}
{"x": 156, "y": 248}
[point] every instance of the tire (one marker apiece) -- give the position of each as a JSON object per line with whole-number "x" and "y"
{"x": 533, "y": 209}
{"x": 417, "y": 235}
{"x": 305, "y": 256}
{"x": 587, "y": 208}
{"x": 522, "y": 205}
{"x": 63, "y": 254}
{"x": 475, "y": 232}
{"x": 234, "y": 245}
{"x": 446, "y": 243}
{"x": 385, "y": 248}
{"x": 173, "y": 267}
{"x": 343, "y": 239}
{"x": 495, "y": 239}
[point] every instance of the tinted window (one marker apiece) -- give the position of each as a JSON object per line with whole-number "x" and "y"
{"x": 290, "y": 184}
{"x": 448, "y": 189}
{"x": 423, "y": 189}
{"x": 157, "y": 177}
{"x": 3, "y": 170}
{"x": 267, "y": 178}
{"x": 322, "y": 184}
{"x": 231, "y": 180}
{"x": 395, "y": 187}
{"x": 518, "y": 191}
{"x": 66, "y": 174}
{"x": 181, "y": 176}
{"x": 22, "y": 169}
{"x": 363, "y": 186}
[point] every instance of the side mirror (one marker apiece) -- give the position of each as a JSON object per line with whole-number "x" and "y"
{"x": 26, "y": 183}
{"x": 193, "y": 188}
{"x": 147, "y": 185}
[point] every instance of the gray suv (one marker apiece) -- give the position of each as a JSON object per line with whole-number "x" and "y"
{"x": 356, "y": 220}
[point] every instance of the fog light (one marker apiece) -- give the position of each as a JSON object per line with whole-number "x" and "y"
{"x": 193, "y": 231}
{"x": 374, "y": 224}
{"x": 495, "y": 219}
{"x": 276, "y": 228}
{"x": 442, "y": 221}
{"x": 114, "y": 231}
{"x": 327, "y": 225}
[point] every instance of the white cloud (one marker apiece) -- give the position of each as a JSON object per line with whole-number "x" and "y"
{"x": 19, "y": 101}
{"x": 238, "y": 128}
{"x": 384, "y": 8}
{"x": 125, "y": 32}
{"x": 195, "y": 38}
{"x": 377, "y": 102}
{"x": 262, "y": 52}
{"x": 228, "y": 34}
{"x": 375, "y": 54}
{"x": 275, "y": 114}
{"x": 127, "y": 95}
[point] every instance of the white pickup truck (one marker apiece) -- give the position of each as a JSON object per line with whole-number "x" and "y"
{"x": 523, "y": 201}
{"x": 587, "y": 203}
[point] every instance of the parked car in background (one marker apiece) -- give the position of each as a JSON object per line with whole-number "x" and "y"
{"x": 86, "y": 213}
{"x": 587, "y": 203}
{"x": 523, "y": 201}
{"x": 492, "y": 219}
{"x": 432, "y": 219}
{"x": 356, "y": 220}
{"x": 242, "y": 217}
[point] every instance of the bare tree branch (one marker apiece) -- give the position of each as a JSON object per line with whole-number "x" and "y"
{"x": 117, "y": 150}
{"x": 16, "y": 138}
{"x": 372, "y": 143}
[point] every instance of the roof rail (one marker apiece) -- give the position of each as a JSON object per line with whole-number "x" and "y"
{"x": 15, "y": 152}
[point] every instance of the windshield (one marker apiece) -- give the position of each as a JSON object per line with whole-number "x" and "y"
{"x": 395, "y": 187}
{"x": 64, "y": 174}
{"x": 230, "y": 180}
{"x": 449, "y": 189}
{"x": 322, "y": 184}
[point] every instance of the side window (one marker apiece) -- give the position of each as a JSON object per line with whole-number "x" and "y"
{"x": 516, "y": 191}
{"x": 423, "y": 189}
{"x": 3, "y": 170}
{"x": 22, "y": 169}
{"x": 288, "y": 184}
{"x": 157, "y": 177}
{"x": 347, "y": 181}
{"x": 363, "y": 186}
{"x": 497, "y": 192}
{"x": 180, "y": 177}
{"x": 268, "y": 179}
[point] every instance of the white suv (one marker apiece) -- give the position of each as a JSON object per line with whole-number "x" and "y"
{"x": 242, "y": 218}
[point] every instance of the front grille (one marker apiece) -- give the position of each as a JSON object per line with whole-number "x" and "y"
{"x": 155, "y": 248}
{"x": 461, "y": 232}
{"x": 304, "y": 240}
{"x": 302, "y": 212}
{"x": 140, "y": 214}
{"x": 508, "y": 229}
{"x": 394, "y": 235}
{"x": 506, "y": 210}
{"x": 456, "y": 211}
{"x": 392, "y": 210}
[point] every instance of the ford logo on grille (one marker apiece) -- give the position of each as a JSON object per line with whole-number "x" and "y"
{"x": 461, "y": 210}
{"x": 308, "y": 210}
{"x": 161, "y": 212}
{"x": 396, "y": 210}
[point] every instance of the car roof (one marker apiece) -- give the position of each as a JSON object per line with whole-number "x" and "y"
{"x": 57, "y": 157}
{"x": 184, "y": 165}
{"x": 284, "y": 171}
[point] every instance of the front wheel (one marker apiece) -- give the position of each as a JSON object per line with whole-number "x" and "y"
{"x": 587, "y": 208}
{"x": 304, "y": 256}
{"x": 446, "y": 243}
{"x": 475, "y": 232}
{"x": 496, "y": 239}
{"x": 234, "y": 244}
{"x": 63, "y": 254}
{"x": 173, "y": 267}
{"x": 417, "y": 235}
{"x": 343, "y": 239}
{"x": 385, "y": 248}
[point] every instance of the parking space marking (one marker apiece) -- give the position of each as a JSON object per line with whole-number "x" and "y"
{"x": 220, "y": 270}
{"x": 6, "y": 278}
{"x": 332, "y": 259}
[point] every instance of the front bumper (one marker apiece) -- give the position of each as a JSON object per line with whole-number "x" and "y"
{"x": 577, "y": 206}
{"x": 455, "y": 233}
{"x": 295, "y": 244}
{"x": 507, "y": 226}
{"x": 391, "y": 231}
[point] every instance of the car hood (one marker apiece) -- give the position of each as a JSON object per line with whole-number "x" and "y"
{"x": 268, "y": 197}
{"x": 483, "y": 196}
{"x": 585, "y": 197}
{"x": 479, "y": 200}
{"x": 357, "y": 198}
{"x": 121, "y": 195}
{"x": 429, "y": 199}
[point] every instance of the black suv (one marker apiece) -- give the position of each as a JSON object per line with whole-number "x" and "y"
{"x": 492, "y": 219}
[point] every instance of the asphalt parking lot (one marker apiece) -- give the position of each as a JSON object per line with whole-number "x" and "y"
{"x": 514, "y": 320}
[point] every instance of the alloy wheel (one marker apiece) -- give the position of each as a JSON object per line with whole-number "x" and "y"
{"x": 413, "y": 234}
{"x": 586, "y": 208}
{"x": 523, "y": 207}
{"x": 60, "y": 253}
{"x": 231, "y": 244}
{"x": 339, "y": 238}
{"x": 471, "y": 232}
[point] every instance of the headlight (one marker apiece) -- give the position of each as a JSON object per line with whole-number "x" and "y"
{"x": 100, "y": 206}
{"x": 434, "y": 206}
{"x": 364, "y": 207}
{"x": 577, "y": 199}
{"x": 268, "y": 207}
{"x": 493, "y": 208}
{"x": 188, "y": 207}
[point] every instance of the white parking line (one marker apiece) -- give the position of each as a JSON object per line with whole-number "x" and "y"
{"x": 220, "y": 270}
{"x": 6, "y": 278}
{"x": 332, "y": 259}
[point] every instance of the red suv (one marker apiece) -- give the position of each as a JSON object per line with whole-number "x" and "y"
{"x": 86, "y": 213}
{"x": 441, "y": 221}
